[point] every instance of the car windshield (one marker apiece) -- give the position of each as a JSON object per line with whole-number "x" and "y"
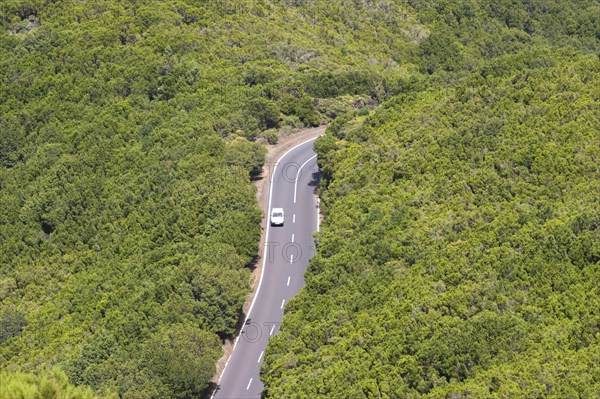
{"x": 277, "y": 214}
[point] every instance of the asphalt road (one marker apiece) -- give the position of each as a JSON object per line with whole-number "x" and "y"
{"x": 287, "y": 251}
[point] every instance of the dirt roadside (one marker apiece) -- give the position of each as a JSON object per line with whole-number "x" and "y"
{"x": 262, "y": 196}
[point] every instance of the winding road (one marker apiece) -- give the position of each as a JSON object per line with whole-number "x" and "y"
{"x": 288, "y": 249}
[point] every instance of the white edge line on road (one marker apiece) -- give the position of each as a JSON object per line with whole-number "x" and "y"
{"x": 272, "y": 329}
{"x": 282, "y": 303}
{"x": 260, "y": 357}
{"x": 288, "y": 283}
{"x": 318, "y": 214}
{"x": 264, "y": 265}
{"x": 298, "y": 175}
{"x": 248, "y": 386}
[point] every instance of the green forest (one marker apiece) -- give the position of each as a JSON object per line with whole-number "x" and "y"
{"x": 460, "y": 250}
{"x": 130, "y": 134}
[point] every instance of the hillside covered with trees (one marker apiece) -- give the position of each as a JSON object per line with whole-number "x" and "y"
{"x": 127, "y": 146}
{"x": 460, "y": 252}
{"x": 129, "y": 135}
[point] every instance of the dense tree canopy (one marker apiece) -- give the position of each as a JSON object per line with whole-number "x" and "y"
{"x": 50, "y": 384}
{"x": 460, "y": 253}
{"x": 129, "y": 134}
{"x": 127, "y": 142}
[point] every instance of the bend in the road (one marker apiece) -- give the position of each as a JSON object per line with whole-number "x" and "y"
{"x": 281, "y": 276}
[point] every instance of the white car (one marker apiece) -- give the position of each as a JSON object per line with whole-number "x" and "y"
{"x": 277, "y": 217}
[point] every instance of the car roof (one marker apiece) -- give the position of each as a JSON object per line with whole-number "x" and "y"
{"x": 278, "y": 210}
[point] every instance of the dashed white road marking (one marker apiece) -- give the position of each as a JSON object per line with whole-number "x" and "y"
{"x": 288, "y": 283}
{"x": 294, "y": 218}
{"x": 260, "y": 357}
{"x": 282, "y": 303}
{"x": 272, "y": 329}
{"x": 291, "y": 259}
{"x": 264, "y": 268}
{"x": 292, "y": 238}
